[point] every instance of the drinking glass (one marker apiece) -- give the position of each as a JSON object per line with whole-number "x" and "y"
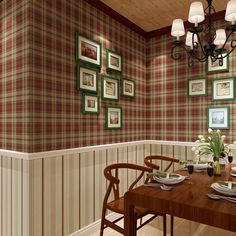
{"x": 190, "y": 168}
{"x": 210, "y": 170}
{"x": 230, "y": 157}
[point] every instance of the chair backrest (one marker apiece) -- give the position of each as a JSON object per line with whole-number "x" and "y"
{"x": 111, "y": 173}
{"x": 148, "y": 160}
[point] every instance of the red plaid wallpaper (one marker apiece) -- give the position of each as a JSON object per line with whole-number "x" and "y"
{"x": 40, "y": 106}
{"x": 171, "y": 114}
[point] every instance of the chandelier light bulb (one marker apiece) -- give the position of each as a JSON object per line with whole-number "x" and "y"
{"x": 189, "y": 39}
{"x": 230, "y": 14}
{"x": 220, "y": 37}
{"x": 196, "y": 13}
{"x": 177, "y": 29}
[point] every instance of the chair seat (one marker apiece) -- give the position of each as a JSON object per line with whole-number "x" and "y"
{"x": 118, "y": 207}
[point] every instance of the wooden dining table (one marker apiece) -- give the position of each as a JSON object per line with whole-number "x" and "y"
{"x": 187, "y": 200}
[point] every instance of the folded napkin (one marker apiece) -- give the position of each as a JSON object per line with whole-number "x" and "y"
{"x": 162, "y": 174}
{"x": 226, "y": 184}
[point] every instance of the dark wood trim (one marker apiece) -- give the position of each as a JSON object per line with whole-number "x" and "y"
{"x": 115, "y": 15}
{"x": 165, "y": 30}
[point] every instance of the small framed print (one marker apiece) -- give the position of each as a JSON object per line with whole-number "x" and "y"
{"x": 114, "y": 61}
{"x": 110, "y": 88}
{"x": 88, "y": 50}
{"x": 128, "y": 87}
{"x": 218, "y": 117}
{"x": 87, "y": 79}
{"x": 90, "y": 103}
{"x": 223, "y": 89}
{"x": 197, "y": 87}
{"x": 113, "y": 117}
{"x": 215, "y": 67}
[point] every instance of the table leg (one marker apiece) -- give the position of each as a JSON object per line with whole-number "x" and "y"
{"x": 129, "y": 218}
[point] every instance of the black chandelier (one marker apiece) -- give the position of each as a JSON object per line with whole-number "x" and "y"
{"x": 204, "y": 42}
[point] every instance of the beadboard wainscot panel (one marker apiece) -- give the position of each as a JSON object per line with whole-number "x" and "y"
{"x": 180, "y": 154}
{"x": 86, "y": 188}
{"x": 6, "y": 196}
{"x": 123, "y": 157}
{"x": 156, "y": 149}
{"x": 71, "y": 193}
{"x": 17, "y": 182}
{"x": 52, "y": 196}
{"x": 100, "y": 160}
{"x": 132, "y": 158}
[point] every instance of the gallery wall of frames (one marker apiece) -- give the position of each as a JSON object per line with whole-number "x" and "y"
{"x": 88, "y": 56}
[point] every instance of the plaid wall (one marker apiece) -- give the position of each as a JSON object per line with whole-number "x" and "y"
{"x": 171, "y": 114}
{"x": 41, "y": 109}
{"x": 15, "y": 74}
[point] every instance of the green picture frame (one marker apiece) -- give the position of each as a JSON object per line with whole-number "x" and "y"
{"x": 88, "y": 50}
{"x": 218, "y": 117}
{"x": 223, "y": 89}
{"x": 127, "y": 87}
{"x": 197, "y": 86}
{"x": 110, "y": 88}
{"x": 113, "y": 61}
{"x": 87, "y": 79}
{"x": 214, "y": 67}
{"x": 113, "y": 117}
{"x": 90, "y": 103}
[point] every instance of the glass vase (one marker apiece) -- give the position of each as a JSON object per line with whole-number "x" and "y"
{"x": 217, "y": 167}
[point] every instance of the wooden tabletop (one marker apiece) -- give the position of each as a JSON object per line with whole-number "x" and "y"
{"x": 187, "y": 200}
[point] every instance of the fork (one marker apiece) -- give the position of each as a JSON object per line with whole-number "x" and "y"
{"x": 218, "y": 197}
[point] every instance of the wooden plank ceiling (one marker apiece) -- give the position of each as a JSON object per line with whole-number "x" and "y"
{"x": 152, "y": 15}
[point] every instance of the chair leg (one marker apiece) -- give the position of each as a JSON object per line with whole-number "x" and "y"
{"x": 102, "y": 221}
{"x": 164, "y": 225}
{"x": 171, "y": 225}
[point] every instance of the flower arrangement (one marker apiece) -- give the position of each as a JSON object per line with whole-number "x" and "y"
{"x": 212, "y": 145}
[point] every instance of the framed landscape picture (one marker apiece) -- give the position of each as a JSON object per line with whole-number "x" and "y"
{"x": 114, "y": 61}
{"x": 128, "y": 87}
{"x": 87, "y": 79}
{"x": 218, "y": 117}
{"x": 88, "y": 50}
{"x": 223, "y": 89}
{"x": 197, "y": 87}
{"x": 113, "y": 117}
{"x": 110, "y": 88}
{"x": 90, "y": 103}
{"x": 215, "y": 67}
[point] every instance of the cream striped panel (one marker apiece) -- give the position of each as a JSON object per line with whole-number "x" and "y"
{"x": 57, "y": 196}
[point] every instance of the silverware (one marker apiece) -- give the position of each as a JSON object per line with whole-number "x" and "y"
{"x": 157, "y": 185}
{"x": 218, "y": 197}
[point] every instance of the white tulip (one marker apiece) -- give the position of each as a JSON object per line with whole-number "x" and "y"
{"x": 218, "y": 131}
{"x": 200, "y": 136}
{"x": 196, "y": 152}
{"x": 209, "y": 138}
{"x": 234, "y": 142}
{"x": 198, "y": 141}
{"x": 193, "y": 149}
{"x": 223, "y": 137}
{"x": 210, "y": 130}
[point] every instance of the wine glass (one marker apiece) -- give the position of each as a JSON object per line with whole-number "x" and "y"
{"x": 230, "y": 157}
{"x": 190, "y": 168}
{"x": 210, "y": 170}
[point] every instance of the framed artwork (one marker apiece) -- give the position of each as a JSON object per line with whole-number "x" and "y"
{"x": 87, "y": 79}
{"x": 218, "y": 117}
{"x": 88, "y": 50}
{"x": 110, "y": 88}
{"x": 114, "y": 61}
{"x": 197, "y": 87}
{"x": 113, "y": 117}
{"x": 214, "y": 67}
{"x": 128, "y": 87}
{"x": 223, "y": 89}
{"x": 90, "y": 103}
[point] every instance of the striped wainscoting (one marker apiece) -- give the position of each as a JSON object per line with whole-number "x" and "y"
{"x": 58, "y": 193}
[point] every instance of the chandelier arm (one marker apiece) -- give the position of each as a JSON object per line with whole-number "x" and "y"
{"x": 200, "y": 43}
{"x": 177, "y": 44}
{"x": 223, "y": 47}
{"x": 200, "y": 59}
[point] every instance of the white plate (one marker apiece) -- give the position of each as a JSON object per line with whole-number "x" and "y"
{"x": 224, "y": 190}
{"x": 171, "y": 180}
{"x": 233, "y": 174}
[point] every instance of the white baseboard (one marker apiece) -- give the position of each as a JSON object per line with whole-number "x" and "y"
{"x": 94, "y": 227}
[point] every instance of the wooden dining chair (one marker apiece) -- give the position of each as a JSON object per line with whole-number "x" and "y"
{"x": 168, "y": 162}
{"x": 115, "y": 202}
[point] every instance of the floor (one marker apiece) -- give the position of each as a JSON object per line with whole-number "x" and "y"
{"x": 181, "y": 228}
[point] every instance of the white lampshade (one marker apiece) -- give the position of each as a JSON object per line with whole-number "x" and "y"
{"x": 189, "y": 39}
{"x": 177, "y": 29}
{"x": 230, "y": 14}
{"x": 196, "y": 13}
{"x": 220, "y": 37}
